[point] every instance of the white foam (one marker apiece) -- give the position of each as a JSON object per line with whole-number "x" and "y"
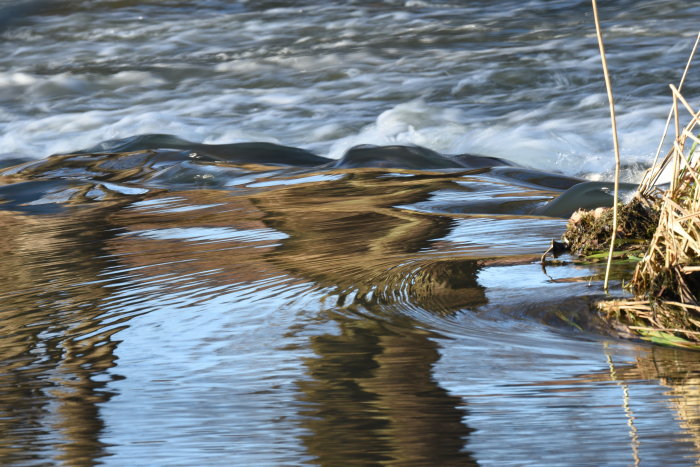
{"x": 13, "y": 79}
{"x": 132, "y": 77}
{"x": 413, "y": 122}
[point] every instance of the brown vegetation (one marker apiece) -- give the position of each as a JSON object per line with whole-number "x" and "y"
{"x": 589, "y": 232}
{"x": 666, "y": 282}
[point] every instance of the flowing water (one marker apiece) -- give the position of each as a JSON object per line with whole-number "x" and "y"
{"x": 220, "y": 303}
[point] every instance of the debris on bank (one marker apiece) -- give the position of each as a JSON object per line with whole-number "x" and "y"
{"x": 588, "y": 233}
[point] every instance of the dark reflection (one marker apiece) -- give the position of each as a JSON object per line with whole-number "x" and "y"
{"x": 347, "y": 233}
{"x": 49, "y": 369}
{"x": 372, "y": 399}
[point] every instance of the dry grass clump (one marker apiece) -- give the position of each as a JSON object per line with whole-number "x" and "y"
{"x": 666, "y": 282}
{"x": 590, "y": 232}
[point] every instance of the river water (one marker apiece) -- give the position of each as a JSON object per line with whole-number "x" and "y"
{"x": 161, "y": 307}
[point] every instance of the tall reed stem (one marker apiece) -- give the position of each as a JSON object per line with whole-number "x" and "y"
{"x": 616, "y": 146}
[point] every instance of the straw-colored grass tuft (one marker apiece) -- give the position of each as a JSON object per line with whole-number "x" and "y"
{"x": 666, "y": 282}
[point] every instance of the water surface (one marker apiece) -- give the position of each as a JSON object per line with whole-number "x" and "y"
{"x": 195, "y": 312}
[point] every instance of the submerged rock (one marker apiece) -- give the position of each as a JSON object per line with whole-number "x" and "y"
{"x": 412, "y": 157}
{"x": 240, "y": 153}
{"x": 167, "y": 161}
{"x": 584, "y": 195}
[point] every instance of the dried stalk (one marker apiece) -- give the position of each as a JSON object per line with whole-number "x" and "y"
{"x": 616, "y": 148}
{"x": 651, "y": 176}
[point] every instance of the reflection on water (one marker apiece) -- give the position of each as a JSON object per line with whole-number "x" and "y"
{"x": 363, "y": 316}
{"x": 678, "y": 371}
{"x": 371, "y": 399}
{"x": 347, "y": 234}
{"x": 56, "y": 347}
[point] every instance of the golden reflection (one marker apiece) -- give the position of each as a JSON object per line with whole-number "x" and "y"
{"x": 47, "y": 368}
{"x": 343, "y": 233}
{"x": 56, "y": 295}
{"x": 370, "y": 389}
{"x": 634, "y": 433}
{"x": 348, "y": 233}
{"x": 676, "y": 369}
{"x": 224, "y": 262}
{"x": 371, "y": 399}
